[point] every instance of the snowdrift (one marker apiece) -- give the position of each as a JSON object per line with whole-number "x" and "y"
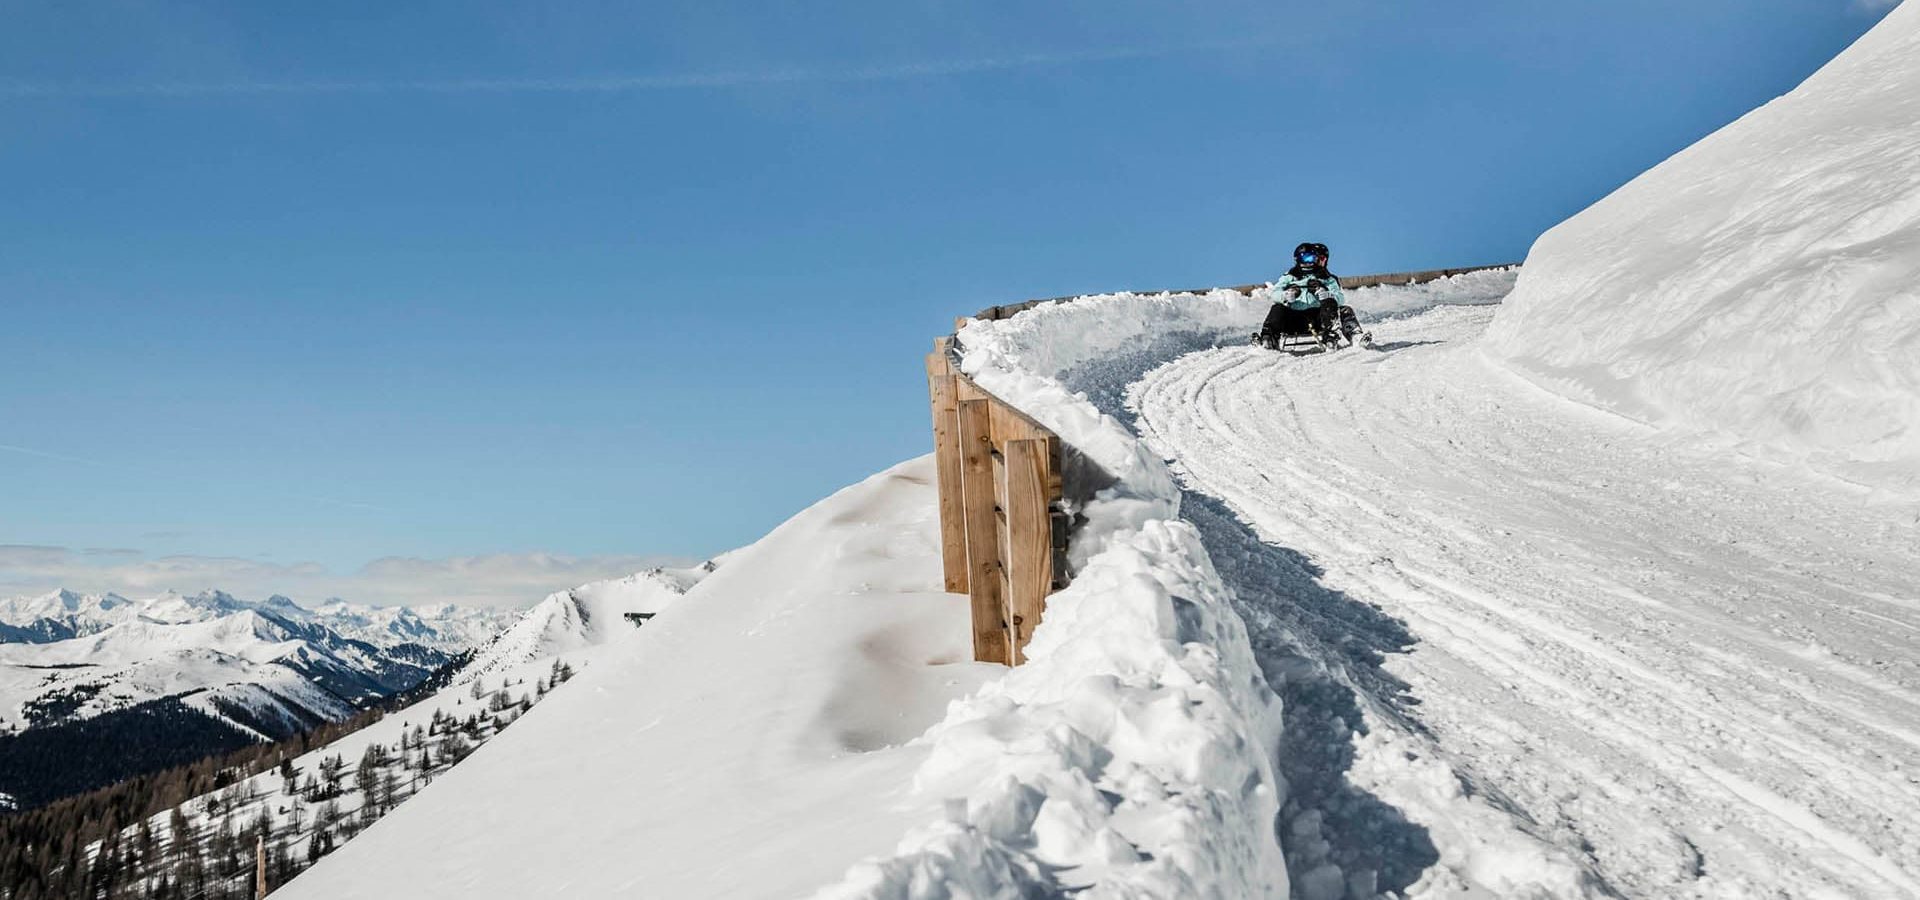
{"x": 589, "y": 615}
{"x": 1131, "y": 756}
{"x": 752, "y": 740}
{"x": 1761, "y": 289}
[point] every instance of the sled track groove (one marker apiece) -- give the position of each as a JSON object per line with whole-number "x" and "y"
{"x": 1686, "y": 672}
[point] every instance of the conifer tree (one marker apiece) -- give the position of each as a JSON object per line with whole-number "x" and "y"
{"x": 331, "y": 768}
{"x": 179, "y": 834}
{"x": 455, "y": 748}
{"x": 143, "y": 846}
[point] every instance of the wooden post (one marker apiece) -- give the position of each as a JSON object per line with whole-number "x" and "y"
{"x": 946, "y": 454}
{"x": 1029, "y": 540}
{"x": 983, "y": 543}
{"x": 260, "y": 867}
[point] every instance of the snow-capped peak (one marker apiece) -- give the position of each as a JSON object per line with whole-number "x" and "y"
{"x": 591, "y": 614}
{"x": 66, "y": 655}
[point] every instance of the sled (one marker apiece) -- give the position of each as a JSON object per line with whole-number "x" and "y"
{"x": 1311, "y": 340}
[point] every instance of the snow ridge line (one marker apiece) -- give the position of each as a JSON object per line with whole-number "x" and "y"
{"x": 1350, "y": 282}
{"x": 1133, "y": 754}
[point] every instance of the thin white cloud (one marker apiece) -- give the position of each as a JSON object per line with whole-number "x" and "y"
{"x": 42, "y": 454}
{"x": 303, "y": 498}
{"x": 499, "y": 579}
{"x": 622, "y": 83}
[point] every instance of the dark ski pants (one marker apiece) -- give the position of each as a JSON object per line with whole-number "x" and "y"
{"x": 1284, "y": 319}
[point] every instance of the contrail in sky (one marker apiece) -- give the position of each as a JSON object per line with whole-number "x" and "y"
{"x": 611, "y": 84}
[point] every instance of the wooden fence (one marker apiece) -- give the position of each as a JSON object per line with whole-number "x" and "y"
{"x": 1002, "y": 528}
{"x": 1003, "y": 481}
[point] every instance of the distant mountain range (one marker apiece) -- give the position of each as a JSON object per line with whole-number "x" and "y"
{"x": 269, "y": 668}
{"x": 96, "y": 688}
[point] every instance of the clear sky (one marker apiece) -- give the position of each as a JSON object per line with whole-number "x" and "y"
{"x": 397, "y": 300}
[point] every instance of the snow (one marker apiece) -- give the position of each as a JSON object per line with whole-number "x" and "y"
{"x": 753, "y": 739}
{"x": 585, "y": 616}
{"x": 274, "y": 658}
{"x": 1605, "y": 665}
{"x": 293, "y": 815}
{"x": 1761, "y": 290}
{"x": 1094, "y": 348}
{"x": 243, "y": 657}
{"x": 807, "y": 719}
{"x": 444, "y": 627}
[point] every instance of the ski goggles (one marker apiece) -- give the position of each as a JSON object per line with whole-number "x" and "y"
{"x": 1308, "y": 258}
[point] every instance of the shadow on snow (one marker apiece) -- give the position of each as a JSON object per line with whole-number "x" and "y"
{"x": 1321, "y": 650}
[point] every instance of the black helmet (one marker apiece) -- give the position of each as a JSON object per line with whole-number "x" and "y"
{"x": 1313, "y": 256}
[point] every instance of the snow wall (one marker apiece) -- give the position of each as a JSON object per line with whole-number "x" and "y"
{"x": 1760, "y": 290}
{"x": 1132, "y": 755}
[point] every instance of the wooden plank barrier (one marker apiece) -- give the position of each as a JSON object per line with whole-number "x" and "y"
{"x": 946, "y": 444}
{"x": 1000, "y": 490}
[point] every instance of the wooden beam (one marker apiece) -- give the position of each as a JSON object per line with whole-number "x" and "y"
{"x": 1010, "y": 424}
{"x": 946, "y": 455}
{"x": 983, "y": 543}
{"x": 1029, "y": 541}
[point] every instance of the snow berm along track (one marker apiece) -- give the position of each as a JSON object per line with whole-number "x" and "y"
{"x": 1693, "y": 675}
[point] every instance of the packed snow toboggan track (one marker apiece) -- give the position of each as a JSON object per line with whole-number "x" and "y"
{"x": 1668, "y": 673}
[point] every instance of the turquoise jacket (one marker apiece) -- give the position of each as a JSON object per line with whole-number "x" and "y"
{"x": 1302, "y": 290}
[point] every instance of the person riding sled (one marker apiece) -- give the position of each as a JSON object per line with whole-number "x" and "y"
{"x": 1309, "y": 300}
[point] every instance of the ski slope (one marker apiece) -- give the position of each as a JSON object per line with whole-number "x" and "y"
{"x": 1691, "y": 675}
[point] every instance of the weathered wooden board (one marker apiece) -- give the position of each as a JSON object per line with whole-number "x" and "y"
{"x": 1002, "y": 508}
{"x": 1029, "y": 554}
{"x": 984, "y": 577}
{"x": 946, "y": 453}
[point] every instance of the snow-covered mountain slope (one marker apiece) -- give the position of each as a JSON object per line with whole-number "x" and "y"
{"x": 249, "y": 666}
{"x": 380, "y": 766}
{"x": 446, "y": 627}
{"x": 812, "y": 704}
{"x": 64, "y": 614}
{"x": 1760, "y": 289}
{"x": 270, "y": 668}
{"x": 586, "y": 616}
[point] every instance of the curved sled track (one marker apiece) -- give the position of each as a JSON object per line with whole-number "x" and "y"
{"x": 1697, "y": 676}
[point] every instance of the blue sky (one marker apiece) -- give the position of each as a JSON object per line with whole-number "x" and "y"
{"x": 289, "y": 293}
